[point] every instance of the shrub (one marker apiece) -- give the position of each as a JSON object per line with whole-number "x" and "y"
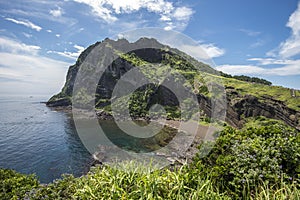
{"x": 14, "y": 185}
{"x": 249, "y": 157}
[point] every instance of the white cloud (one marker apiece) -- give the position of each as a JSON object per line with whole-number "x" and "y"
{"x": 272, "y": 61}
{"x": 27, "y": 35}
{"x": 12, "y": 46}
{"x": 168, "y": 28}
{"x": 240, "y": 69}
{"x": 68, "y": 54}
{"x": 57, "y": 12}
{"x": 41, "y": 12}
{"x": 288, "y": 69}
{"x": 79, "y": 48}
{"x": 121, "y": 6}
{"x": 258, "y": 43}
{"x": 108, "y": 9}
{"x": 294, "y": 21}
{"x": 250, "y": 32}
{"x": 212, "y": 50}
{"x": 26, "y": 23}
{"x": 202, "y": 51}
{"x": 165, "y": 18}
{"x": 31, "y": 74}
{"x": 291, "y": 47}
{"x": 24, "y": 70}
{"x": 99, "y": 10}
{"x": 158, "y": 6}
{"x": 49, "y": 31}
{"x": 183, "y": 13}
{"x": 120, "y": 36}
{"x": 57, "y": 35}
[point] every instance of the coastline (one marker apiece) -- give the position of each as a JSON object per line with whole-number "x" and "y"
{"x": 176, "y": 158}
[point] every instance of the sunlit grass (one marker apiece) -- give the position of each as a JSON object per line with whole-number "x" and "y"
{"x": 259, "y": 90}
{"x": 116, "y": 183}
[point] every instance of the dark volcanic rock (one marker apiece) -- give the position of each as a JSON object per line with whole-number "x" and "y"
{"x": 251, "y": 106}
{"x": 59, "y": 102}
{"x": 108, "y": 53}
{"x": 103, "y": 115}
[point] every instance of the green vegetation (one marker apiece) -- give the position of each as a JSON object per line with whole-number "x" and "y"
{"x": 133, "y": 59}
{"x": 248, "y": 79}
{"x": 59, "y": 97}
{"x": 265, "y": 153}
{"x": 14, "y": 185}
{"x": 263, "y": 92}
{"x": 177, "y": 62}
{"x": 260, "y": 161}
{"x": 83, "y": 97}
{"x": 139, "y": 101}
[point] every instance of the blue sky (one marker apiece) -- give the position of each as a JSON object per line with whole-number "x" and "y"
{"x": 39, "y": 39}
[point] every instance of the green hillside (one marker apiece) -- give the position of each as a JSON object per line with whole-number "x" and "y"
{"x": 261, "y": 91}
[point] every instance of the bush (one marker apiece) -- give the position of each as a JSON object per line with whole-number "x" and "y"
{"x": 266, "y": 154}
{"x": 132, "y": 182}
{"x": 14, "y": 185}
{"x": 63, "y": 188}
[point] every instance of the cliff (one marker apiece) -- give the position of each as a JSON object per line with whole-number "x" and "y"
{"x": 243, "y": 98}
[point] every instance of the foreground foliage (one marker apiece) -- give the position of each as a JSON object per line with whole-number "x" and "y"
{"x": 264, "y": 152}
{"x": 252, "y": 163}
{"x": 14, "y": 185}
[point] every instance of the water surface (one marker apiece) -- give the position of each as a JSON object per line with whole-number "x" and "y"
{"x": 36, "y": 139}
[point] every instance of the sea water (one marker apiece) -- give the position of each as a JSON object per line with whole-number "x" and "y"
{"x": 37, "y": 139}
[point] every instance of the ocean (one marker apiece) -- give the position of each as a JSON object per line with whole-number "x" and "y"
{"x": 35, "y": 139}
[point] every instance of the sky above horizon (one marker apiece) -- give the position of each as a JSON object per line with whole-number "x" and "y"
{"x": 40, "y": 39}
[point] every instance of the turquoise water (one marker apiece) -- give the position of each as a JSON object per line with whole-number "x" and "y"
{"x": 36, "y": 139}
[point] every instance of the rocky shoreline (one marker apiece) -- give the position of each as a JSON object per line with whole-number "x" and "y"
{"x": 175, "y": 158}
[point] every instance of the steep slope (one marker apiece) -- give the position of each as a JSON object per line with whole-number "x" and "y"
{"x": 127, "y": 55}
{"x": 244, "y": 99}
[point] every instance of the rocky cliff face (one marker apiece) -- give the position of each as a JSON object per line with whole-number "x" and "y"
{"x": 238, "y": 109}
{"x": 125, "y": 56}
{"x": 144, "y": 50}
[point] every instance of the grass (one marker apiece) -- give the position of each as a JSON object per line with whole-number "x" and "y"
{"x": 137, "y": 182}
{"x": 264, "y": 192}
{"x": 259, "y": 90}
{"x": 111, "y": 183}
